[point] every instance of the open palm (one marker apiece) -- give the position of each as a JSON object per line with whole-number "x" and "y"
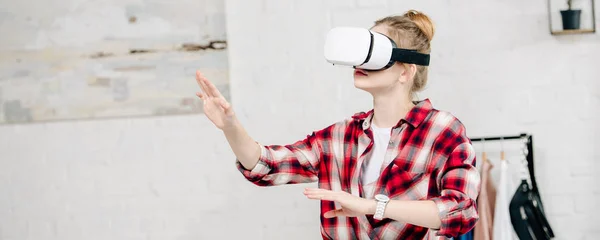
{"x": 352, "y": 206}
{"x": 216, "y": 107}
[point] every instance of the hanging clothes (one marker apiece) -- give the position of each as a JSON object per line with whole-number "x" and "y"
{"x": 485, "y": 204}
{"x": 502, "y": 227}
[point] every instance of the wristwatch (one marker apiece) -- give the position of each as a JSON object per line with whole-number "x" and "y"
{"x": 382, "y": 201}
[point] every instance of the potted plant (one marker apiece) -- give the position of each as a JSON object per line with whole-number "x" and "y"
{"x": 570, "y": 17}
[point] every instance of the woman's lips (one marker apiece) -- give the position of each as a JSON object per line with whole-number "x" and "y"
{"x": 360, "y": 72}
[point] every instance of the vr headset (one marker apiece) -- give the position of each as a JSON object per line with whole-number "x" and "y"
{"x": 368, "y": 50}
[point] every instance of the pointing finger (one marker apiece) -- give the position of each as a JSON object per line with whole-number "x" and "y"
{"x": 200, "y": 79}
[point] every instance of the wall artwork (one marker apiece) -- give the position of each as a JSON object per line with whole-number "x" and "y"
{"x": 572, "y": 17}
{"x": 75, "y": 60}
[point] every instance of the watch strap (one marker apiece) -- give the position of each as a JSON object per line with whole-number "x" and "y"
{"x": 379, "y": 210}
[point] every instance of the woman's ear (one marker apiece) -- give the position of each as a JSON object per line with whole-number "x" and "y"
{"x": 412, "y": 70}
{"x": 408, "y": 72}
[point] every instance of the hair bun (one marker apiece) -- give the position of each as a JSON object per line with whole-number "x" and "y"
{"x": 422, "y": 21}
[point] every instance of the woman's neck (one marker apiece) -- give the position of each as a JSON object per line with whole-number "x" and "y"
{"x": 389, "y": 109}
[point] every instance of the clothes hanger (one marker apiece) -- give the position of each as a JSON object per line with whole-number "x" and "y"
{"x": 483, "y": 153}
{"x": 501, "y": 149}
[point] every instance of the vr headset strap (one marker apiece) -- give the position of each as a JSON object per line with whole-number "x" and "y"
{"x": 410, "y": 56}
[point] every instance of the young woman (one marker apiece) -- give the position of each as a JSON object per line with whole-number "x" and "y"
{"x": 402, "y": 170}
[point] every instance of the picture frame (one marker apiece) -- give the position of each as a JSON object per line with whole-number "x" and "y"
{"x": 571, "y": 17}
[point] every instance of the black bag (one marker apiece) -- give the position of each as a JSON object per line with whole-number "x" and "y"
{"x": 527, "y": 215}
{"x": 526, "y": 208}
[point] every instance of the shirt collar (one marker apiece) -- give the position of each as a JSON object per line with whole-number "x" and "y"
{"x": 414, "y": 117}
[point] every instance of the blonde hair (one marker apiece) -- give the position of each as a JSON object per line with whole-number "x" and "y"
{"x": 412, "y": 30}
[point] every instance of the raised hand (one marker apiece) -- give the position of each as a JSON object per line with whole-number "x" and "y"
{"x": 352, "y": 206}
{"x": 216, "y": 107}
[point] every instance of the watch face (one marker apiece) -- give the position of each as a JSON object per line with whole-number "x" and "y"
{"x": 381, "y": 197}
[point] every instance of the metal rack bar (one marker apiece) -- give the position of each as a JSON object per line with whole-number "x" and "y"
{"x": 523, "y": 135}
{"x": 529, "y": 156}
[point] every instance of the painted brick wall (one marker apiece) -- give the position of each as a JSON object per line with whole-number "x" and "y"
{"x": 495, "y": 66}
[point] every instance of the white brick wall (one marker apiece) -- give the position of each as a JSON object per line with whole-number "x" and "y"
{"x": 174, "y": 178}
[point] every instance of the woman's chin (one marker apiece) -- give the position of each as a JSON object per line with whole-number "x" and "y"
{"x": 361, "y": 82}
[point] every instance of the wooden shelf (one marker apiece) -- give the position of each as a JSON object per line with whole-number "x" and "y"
{"x": 575, "y": 31}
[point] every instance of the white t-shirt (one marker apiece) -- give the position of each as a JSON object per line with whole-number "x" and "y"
{"x": 381, "y": 138}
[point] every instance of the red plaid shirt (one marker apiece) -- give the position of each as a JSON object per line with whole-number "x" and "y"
{"x": 429, "y": 157}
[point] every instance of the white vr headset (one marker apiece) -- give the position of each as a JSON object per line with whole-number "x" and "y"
{"x": 368, "y": 50}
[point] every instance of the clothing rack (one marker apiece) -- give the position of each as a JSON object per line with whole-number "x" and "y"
{"x": 527, "y": 198}
{"x": 529, "y": 157}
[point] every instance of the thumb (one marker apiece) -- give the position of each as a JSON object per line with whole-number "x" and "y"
{"x": 225, "y": 105}
{"x": 334, "y": 213}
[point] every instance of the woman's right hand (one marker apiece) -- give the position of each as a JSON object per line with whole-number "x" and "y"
{"x": 219, "y": 111}
{"x": 216, "y": 107}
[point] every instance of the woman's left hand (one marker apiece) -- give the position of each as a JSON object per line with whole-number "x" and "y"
{"x": 352, "y": 206}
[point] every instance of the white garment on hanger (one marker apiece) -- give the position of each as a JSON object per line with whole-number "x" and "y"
{"x": 503, "y": 229}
